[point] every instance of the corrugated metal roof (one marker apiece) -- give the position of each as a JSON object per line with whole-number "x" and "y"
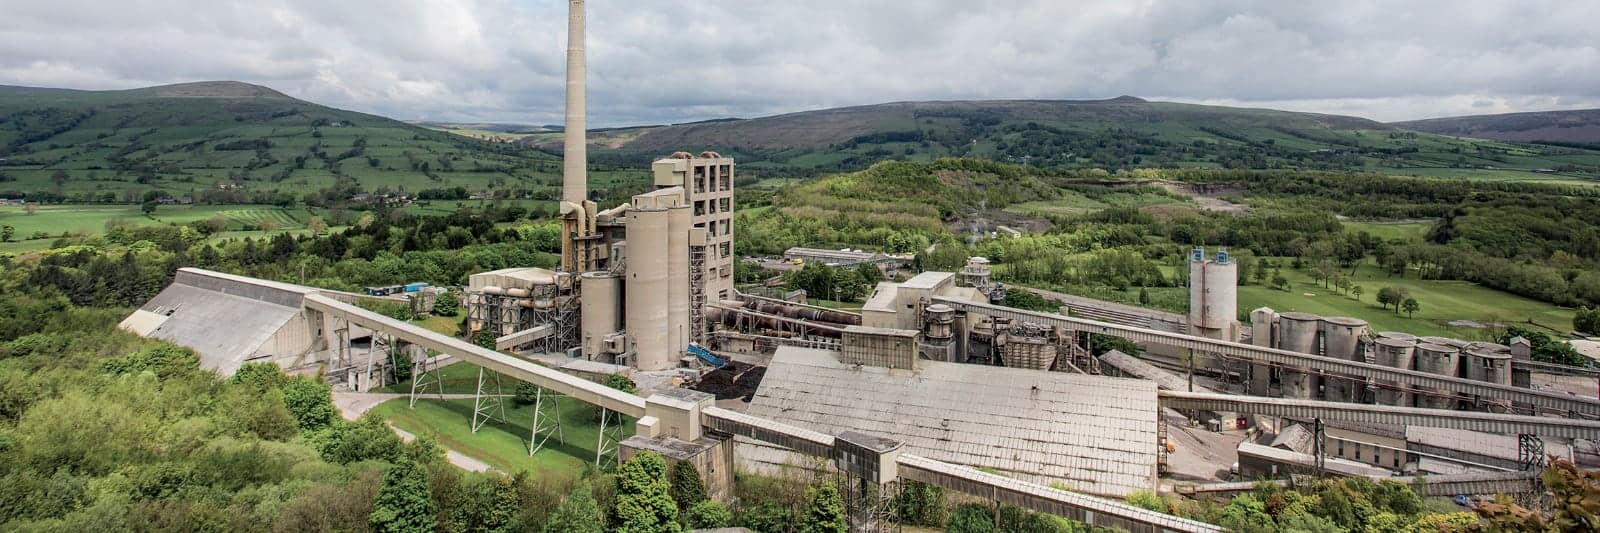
{"x": 225, "y": 329}
{"x": 1094, "y": 434}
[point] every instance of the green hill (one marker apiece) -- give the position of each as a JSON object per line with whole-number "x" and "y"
{"x": 1578, "y": 127}
{"x": 1122, "y": 132}
{"x": 233, "y": 141}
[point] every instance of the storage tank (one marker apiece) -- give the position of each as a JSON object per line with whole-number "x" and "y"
{"x": 1341, "y": 339}
{"x": 599, "y": 308}
{"x": 1438, "y": 359}
{"x": 1395, "y": 352}
{"x": 1488, "y": 362}
{"x": 1262, "y": 321}
{"x": 1213, "y": 295}
{"x": 1297, "y": 332}
{"x": 646, "y": 290}
{"x": 678, "y": 223}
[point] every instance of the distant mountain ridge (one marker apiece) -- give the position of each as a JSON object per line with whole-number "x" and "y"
{"x": 1577, "y": 126}
{"x": 267, "y": 147}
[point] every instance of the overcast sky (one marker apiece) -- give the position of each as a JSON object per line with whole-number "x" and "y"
{"x": 675, "y": 60}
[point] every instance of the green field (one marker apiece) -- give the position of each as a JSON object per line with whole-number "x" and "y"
{"x": 504, "y": 445}
{"x": 1442, "y": 302}
{"x": 1076, "y": 203}
{"x": 91, "y": 219}
{"x": 1410, "y": 231}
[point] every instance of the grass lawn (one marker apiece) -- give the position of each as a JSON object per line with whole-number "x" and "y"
{"x": 91, "y": 219}
{"x": 458, "y": 378}
{"x": 1442, "y": 301}
{"x": 445, "y": 325}
{"x": 504, "y": 445}
{"x": 1410, "y": 231}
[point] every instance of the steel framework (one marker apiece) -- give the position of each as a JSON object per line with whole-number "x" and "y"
{"x": 546, "y": 420}
{"x": 485, "y": 405}
{"x": 425, "y": 374}
{"x": 870, "y": 506}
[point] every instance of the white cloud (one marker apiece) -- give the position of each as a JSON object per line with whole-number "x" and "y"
{"x": 675, "y": 60}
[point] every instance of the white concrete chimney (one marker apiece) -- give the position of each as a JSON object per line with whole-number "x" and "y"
{"x": 575, "y": 156}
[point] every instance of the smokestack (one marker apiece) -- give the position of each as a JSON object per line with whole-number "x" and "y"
{"x": 575, "y": 157}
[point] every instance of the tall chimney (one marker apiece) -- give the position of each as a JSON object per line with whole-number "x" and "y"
{"x": 575, "y": 157}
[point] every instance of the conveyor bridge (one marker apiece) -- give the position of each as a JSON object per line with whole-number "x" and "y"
{"x": 1541, "y": 401}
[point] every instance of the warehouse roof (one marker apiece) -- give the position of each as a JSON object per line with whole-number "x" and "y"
{"x": 223, "y": 318}
{"x": 1094, "y": 434}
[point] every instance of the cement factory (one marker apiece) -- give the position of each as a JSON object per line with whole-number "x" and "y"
{"x": 935, "y": 380}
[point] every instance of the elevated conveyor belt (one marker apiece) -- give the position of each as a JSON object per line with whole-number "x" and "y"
{"x": 1035, "y": 497}
{"x": 575, "y": 387}
{"x": 1442, "y": 485}
{"x": 1544, "y": 426}
{"x": 1542, "y": 400}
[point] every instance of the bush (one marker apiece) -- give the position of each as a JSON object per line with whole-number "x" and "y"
{"x": 446, "y": 304}
{"x": 644, "y": 500}
{"x": 687, "y": 488}
{"x": 311, "y": 403}
{"x": 403, "y": 504}
{"x": 971, "y": 518}
{"x": 709, "y": 514}
{"x": 825, "y": 514}
{"x": 164, "y": 360}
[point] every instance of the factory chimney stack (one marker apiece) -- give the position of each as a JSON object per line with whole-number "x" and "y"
{"x": 574, "y": 178}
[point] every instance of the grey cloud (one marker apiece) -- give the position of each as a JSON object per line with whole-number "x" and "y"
{"x": 676, "y": 60}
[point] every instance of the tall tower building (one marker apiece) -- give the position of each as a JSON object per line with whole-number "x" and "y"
{"x": 1213, "y": 296}
{"x": 707, "y": 182}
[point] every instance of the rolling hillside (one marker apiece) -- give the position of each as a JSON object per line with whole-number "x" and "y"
{"x": 1576, "y": 127}
{"x": 1121, "y": 132}
{"x": 189, "y": 139}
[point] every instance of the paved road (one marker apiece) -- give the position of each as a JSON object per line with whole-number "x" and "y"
{"x": 352, "y": 405}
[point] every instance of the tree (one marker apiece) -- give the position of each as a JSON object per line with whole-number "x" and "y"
{"x": 687, "y": 488}
{"x": 709, "y": 514}
{"x": 1144, "y": 296}
{"x": 1587, "y": 321}
{"x": 446, "y": 304}
{"x": 825, "y": 514}
{"x": 1282, "y": 283}
{"x": 403, "y": 503}
{"x": 644, "y": 500}
{"x": 7, "y": 232}
{"x": 1574, "y": 507}
{"x": 59, "y": 177}
{"x": 1356, "y": 291}
{"x": 1410, "y": 306}
{"x": 311, "y": 403}
{"x": 317, "y": 226}
{"x": 148, "y": 208}
{"x": 1341, "y": 282}
{"x": 1385, "y": 296}
{"x": 578, "y": 514}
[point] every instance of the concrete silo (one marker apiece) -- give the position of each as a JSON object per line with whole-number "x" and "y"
{"x": 602, "y": 299}
{"x": 647, "y": 292}
{"x": 1342, "y": 340}
{"x": 1262, "y": 323}
{"x": 678, "y": 221}
{"x": 1440, "y": 359}
{"x": 1299, "y": 332}
{"x": 1488, "y": 362}
{"x": 1213, "y": 295}
{"x": 1397, "y": 352}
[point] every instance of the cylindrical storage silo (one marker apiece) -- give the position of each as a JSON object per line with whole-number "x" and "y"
{"x": 678, "y": 223}
{"x": 1262, "y": 322}
{"x": 1297, "y": 332}
{"x": 1488, "y": 362}
{"x": 1213, "y": 296}
{"x": 1394, "y": 352}
{"x": 1341, "y": 339}
{"x": 1398, "y": 335}
{"x": 646, "y": 290}
{"x": 1438, "y": 359}
{"x": 599, "y": 310}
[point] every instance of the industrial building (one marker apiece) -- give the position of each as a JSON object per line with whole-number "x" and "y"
{"x": 846, "y": 257}
{"x": 1094, "y": 434}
